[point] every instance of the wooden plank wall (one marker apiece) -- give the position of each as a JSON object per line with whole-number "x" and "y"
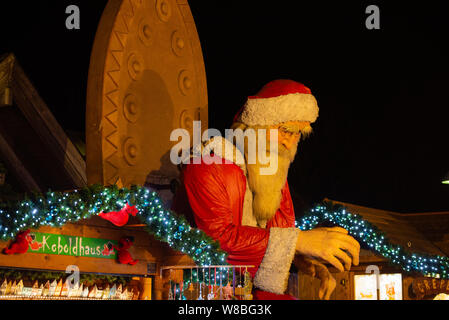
{"x": 305, "y": 287}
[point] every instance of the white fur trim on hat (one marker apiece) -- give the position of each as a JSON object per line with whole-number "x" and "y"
{"x": 272, "y": 111}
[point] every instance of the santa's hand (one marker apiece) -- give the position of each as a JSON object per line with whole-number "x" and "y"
{"x": 330, "y": 244}
{"x": 318, "y": 270}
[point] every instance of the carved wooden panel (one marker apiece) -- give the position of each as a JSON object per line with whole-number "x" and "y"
{"x": 146, "y": 78}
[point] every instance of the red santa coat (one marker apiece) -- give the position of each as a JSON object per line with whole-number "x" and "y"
{"x": 216, "y": 194}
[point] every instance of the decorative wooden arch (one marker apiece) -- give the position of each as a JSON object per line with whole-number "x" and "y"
{"x": 146, "y": 78}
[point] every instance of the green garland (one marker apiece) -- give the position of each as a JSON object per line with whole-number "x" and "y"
{"x": 373, "y": 239}
{"x": 56, "y": 209}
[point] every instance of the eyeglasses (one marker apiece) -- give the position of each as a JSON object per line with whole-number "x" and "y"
{"x": 287, "y": 132}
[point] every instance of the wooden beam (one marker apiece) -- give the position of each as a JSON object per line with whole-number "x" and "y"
{"x": 6, "y": 69}
{"x": 437, "y": 213}
{"x": 60, "y": 263}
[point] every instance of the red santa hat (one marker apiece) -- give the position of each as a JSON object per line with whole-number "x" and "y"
{"x": 279, "y": 101}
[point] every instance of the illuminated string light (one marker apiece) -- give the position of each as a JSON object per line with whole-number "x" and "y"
{"x": 55, "y": 209}
{"x": 374, "y": 239}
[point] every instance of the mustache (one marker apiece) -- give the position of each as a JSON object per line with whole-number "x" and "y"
{"x": 285, "y": 153}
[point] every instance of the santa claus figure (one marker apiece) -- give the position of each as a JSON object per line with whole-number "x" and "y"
{"x": 251, "y": 213}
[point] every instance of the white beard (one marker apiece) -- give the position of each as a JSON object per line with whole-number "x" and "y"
{"x": 267, "y": 189}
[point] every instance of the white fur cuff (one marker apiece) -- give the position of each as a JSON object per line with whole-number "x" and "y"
{"x": 273, "y": 272}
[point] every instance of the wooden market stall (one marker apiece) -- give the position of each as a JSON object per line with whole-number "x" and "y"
{"x": 146, "y": 78}
{"x": 38, "y": 155}
{"x": 405, "y": 230}
{"x": 59, "y": 248}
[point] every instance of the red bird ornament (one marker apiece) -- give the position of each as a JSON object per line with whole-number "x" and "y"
{"x": 120, "y": 218}
{"x": 20, "y": 244}
{"x": 123, "y": 256}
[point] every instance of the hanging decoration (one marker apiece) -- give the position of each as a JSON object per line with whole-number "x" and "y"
{"x": 20, "y": 244}
{"x": 121, "y": 217}
{"x": 123, "y": 256}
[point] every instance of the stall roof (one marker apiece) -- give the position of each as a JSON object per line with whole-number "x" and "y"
{"x": 411, "y": 231}
{"x": 433, "y": 225}
{"x": 35, "y": 149}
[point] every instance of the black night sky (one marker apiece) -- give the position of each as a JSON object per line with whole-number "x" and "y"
{"x": 382, "y": 136}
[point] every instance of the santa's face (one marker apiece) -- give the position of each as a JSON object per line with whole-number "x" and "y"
{"x": 289, "y": 133}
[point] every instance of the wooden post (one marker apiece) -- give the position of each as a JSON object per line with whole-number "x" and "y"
{"x": 145, "y": 284}
{"x": 159, "y": 287}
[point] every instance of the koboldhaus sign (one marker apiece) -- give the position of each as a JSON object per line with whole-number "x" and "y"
{"x": 59, "y": 244}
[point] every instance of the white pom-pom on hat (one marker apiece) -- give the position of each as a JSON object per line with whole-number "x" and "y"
{"x": 277, "y": 102}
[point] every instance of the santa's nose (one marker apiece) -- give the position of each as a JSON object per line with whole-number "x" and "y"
{"x": 289, "y": 141}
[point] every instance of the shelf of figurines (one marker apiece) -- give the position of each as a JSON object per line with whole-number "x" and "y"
{"x": 13, "y": 290}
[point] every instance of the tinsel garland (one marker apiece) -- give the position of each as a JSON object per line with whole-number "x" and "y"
{"x": 56, "y": 209}
{"x": 371, "y": 238}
